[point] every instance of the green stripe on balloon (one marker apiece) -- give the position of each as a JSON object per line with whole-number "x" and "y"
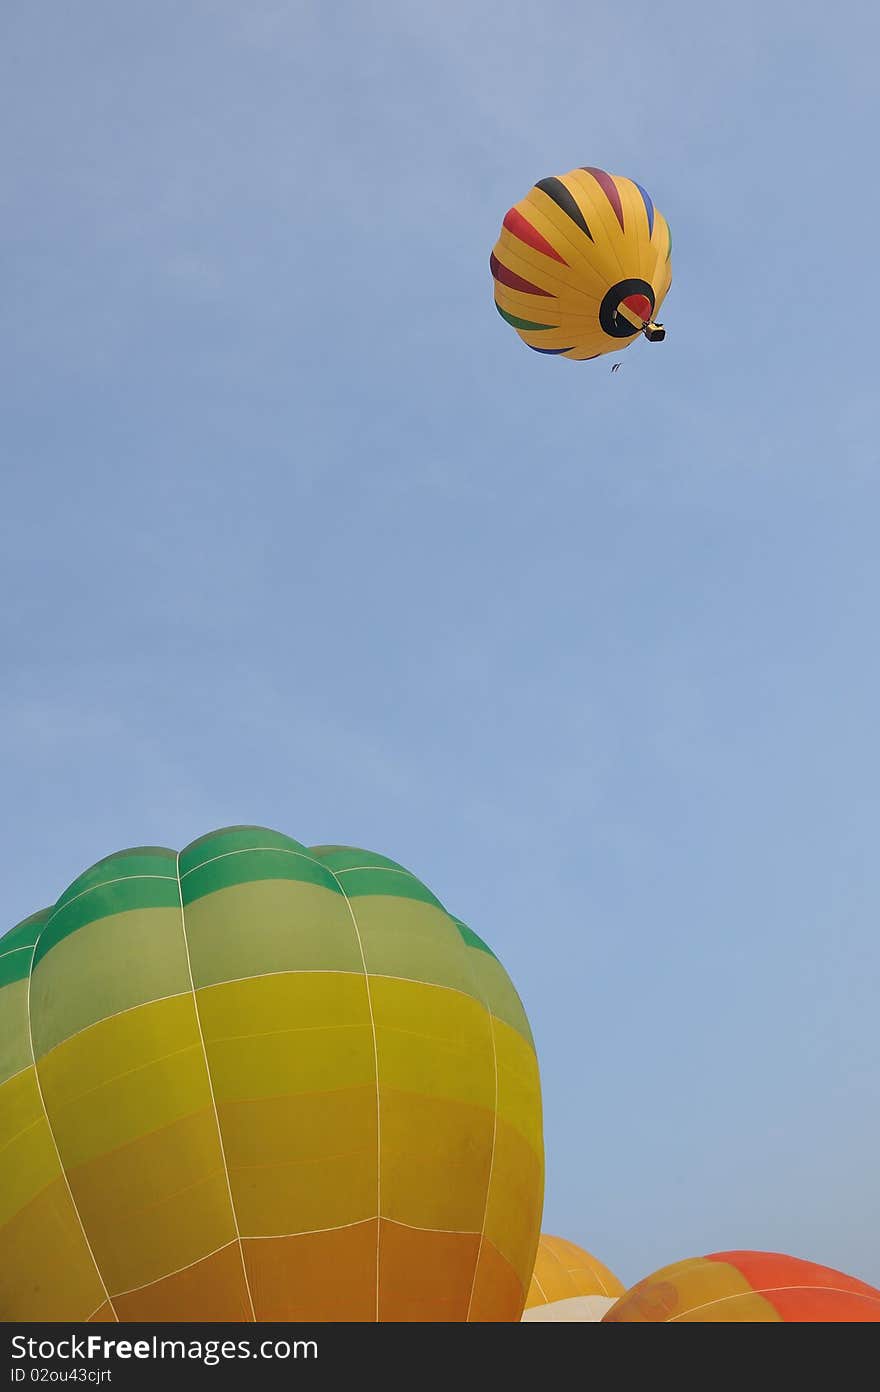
{"x": 397, "y": 884}
{"x": 522, "y": 323}
{"x": 235, "y": 838}
{"x": 123, "y": 896}
{"x": 245, "y": 867}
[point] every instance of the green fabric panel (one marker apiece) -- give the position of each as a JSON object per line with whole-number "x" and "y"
{"x": 15, "y": 1037}
{"x": 15, "y": 964}
{"x": 471, "y": 938}
{"x": 397, "y": 884}
{"x": 250, "y": 866}
{"x": 123, "y": 865}
{"x": 110, "y": 965}
{"x": 417, "y": 942}
{"x": 352, "y": 857}
{"x": 270, "y": 925}
{"x": 498, "y": 991}
{"x": 239, "y": 838}
{"x": 25, "y": 933}
{"x": 522, "y": 323}
{"x": 106, "y": 901}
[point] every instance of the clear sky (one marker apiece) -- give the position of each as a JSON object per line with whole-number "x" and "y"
{"x": 295, "y": 531}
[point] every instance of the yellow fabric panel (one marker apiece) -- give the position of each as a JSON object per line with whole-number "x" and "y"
{"x": 295, "y": 1033}
{"x": 15, "y": 1038}
{"x": 433, "y": 1041}
{"x": 124, "y": 1078}
{"x": 46, "y": 1271}
{"x": 611, "y": 250}
{"x": 435, "y": 1161}
{"x": 28, "y": 1161}
{"x": 155, "y": 1204}
{"x": 300, "y": 1163}
{"x": 680, "y": 1288}
{"x": 513, "y": 1214}
{"x": 750, "y": 1308}
{"x": 300, "y": 1000}
{"x": 577, "y": 289}
{"x": 635, "y": 220}
{"x": 519, "y": 1085}
{"x": 586, "y": 264}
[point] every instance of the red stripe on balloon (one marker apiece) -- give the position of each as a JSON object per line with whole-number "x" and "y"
{"x": 513, "y": 281}
{"x": 525, "y": 232}
{"x": 640, "y": 305}
{"x": 609, "y": 188}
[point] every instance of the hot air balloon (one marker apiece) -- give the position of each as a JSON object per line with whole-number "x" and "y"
{"x": 257, "y": 1081}
{"x": 583, "y": 265}
{"x": 568, "y": 1285}
{"x": 747, "y": 1288}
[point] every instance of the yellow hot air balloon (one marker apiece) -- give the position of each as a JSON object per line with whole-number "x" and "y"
{"x": 257, "y": 1081}
{"x": 569, "y": 1285}
{"x": 583, "y": 265}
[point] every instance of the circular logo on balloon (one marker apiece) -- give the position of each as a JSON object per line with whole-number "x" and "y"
{"x": 626, "y": 308}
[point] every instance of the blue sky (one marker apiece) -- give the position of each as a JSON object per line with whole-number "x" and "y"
{"x": 295, "y": 531}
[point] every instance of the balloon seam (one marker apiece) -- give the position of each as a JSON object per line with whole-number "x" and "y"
{"x": 213, "y": 1098}
{"x": 82, "y": 1225}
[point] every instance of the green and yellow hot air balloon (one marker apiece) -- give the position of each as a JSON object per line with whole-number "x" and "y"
{"x": 583, "y": 264}
{"x": 257, "y": 1081}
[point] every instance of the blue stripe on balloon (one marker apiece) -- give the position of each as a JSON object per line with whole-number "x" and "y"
{"x": 550, "y": 351}
{"x": 649, "y": 206}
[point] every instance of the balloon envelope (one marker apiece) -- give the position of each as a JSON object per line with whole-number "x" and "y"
{"x": 260, "y": 1081}
{"x": 582, "y": 265}
{"x": 747, "y": 1288}
{"x": 569, "y": 1285}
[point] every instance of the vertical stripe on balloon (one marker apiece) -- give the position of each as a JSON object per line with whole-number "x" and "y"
{"x": 609, "y": 188}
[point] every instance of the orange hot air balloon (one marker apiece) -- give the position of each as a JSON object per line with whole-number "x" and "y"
{"x": 747, "y": 1288}
{"x": 569, "y": 1285}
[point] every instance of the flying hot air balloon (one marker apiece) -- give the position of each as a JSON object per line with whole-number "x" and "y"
{"x": 582, "y": 265}
{"x": 568, "y": 1285}
{"x": 255, "y": 1081}
{"x": 747, "y": 1288}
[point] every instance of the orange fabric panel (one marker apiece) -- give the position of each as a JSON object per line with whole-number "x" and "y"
{"x": 498, "y": 1295}
{"x": 770, "y": 1270}
{"x": 563, "y": 1270}
{"x": 210, "y": 1291}
{"x": 825, "y": 1306}
{"x": 103, "y": 1316}
{"x": 425, "y": 1276}
{"x": 320, "y": 1276}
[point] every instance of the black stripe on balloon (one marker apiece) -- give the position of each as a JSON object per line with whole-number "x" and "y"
{"x": 619, "y": 327}
{"x": 564, "y": 199}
